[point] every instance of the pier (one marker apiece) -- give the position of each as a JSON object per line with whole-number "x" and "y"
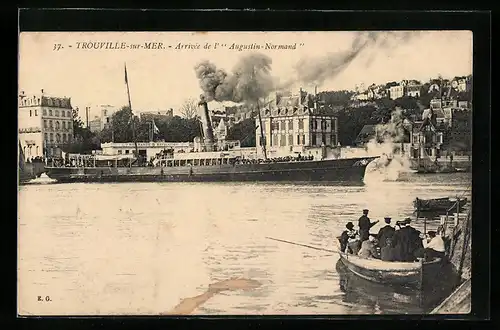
{"x": 458, "y": 232}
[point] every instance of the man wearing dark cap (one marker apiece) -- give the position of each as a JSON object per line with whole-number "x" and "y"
{"x": 385, "y": 232}
{"x": 364, "y": 225}
{"x": 407, "y": 241}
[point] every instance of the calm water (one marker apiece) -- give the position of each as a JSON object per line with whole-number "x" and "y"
{"x": 100, "y": 249}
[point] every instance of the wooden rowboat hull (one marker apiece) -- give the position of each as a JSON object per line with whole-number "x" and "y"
{"x": 410, "y": 274}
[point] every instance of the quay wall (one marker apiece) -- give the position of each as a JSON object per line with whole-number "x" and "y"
{"x": 459, "y": 301}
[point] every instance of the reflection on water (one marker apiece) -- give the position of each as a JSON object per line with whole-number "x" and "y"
{"x": 140, "y": 249}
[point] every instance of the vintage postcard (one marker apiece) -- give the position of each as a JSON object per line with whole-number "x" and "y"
{"x": 244, "y": 173}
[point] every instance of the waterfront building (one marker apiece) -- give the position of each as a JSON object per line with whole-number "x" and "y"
{"x": 45, "y": 124}
{"x": 296, "y": 125}
{"x": 454, "y": 120}
{"x": 425, "y": 139}
{"x": 102, "y": 121}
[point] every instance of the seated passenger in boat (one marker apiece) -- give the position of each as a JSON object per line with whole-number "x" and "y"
{"x": 369, "y": 249}
{"x": 434, "y": 246}
{"x": 348, "y": 239}
{"x": 388, "y": 252}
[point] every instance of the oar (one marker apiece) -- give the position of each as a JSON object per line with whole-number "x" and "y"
{"x": 304, "y": 245}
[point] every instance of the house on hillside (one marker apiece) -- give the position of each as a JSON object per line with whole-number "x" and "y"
{"x": 395, "y": 92}
{"x": 413, "y": 88}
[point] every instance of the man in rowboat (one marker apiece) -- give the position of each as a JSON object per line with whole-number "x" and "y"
{"x": 434, "y": 246}
{"x": 349, "y": 239}
{"x": 369, "y": 249}
{"x": 407, "y": 241}
{"x": 364, "y": 225}
{"x": 385, "y": 232}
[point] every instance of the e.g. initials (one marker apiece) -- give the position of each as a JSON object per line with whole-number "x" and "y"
{"x": 46, "y": 298}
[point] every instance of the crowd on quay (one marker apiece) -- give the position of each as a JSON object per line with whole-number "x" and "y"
{"x": 274, "y": 160}
{"x": 401, "y": 243}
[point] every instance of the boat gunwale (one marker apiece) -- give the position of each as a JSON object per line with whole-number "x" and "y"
{"x": 405, "y": 266}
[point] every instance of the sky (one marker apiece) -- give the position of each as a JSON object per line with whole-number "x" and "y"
{"x": 160, "y": 79}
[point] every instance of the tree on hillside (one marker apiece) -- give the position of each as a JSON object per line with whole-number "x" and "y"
{"x": 244, "y": 132}
{"x": 83, "y": 140}
{"x": 352, "y": 120}
{"x": 178, "y": 129}
{"x": 189, "y": 109}
{"x": 335, "y": 98}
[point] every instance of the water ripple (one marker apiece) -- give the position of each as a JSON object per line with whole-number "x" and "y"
{"x": 143, "y": 247}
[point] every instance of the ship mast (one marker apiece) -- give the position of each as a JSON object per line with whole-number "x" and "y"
{"x": 131, "y": 113}
{"x": 262, "y": 138}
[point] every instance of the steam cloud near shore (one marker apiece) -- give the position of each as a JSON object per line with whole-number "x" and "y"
{"x": 387, "y": 144}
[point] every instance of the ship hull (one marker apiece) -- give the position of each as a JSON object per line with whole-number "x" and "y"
{"x": 341, "y": 170}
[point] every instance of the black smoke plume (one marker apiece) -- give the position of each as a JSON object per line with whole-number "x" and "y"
{"x": 249, "y": 81}
{"x": 315, "y": 71}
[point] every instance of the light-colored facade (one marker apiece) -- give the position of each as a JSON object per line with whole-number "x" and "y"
{"x": 396, "y": 92}
{"x": 100, "y": 122}
{"x": 45, "y": 124}
{"x": 293, "y": 127}
{"x": 413, "y": 90}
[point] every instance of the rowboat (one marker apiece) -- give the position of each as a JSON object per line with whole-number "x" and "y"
{"x": 409, "y": 274}
{"x": 438, "y": 204}
{"x": 395, "y": 298}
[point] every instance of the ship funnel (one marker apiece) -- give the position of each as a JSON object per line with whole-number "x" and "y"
{"x": 206, "y": 122}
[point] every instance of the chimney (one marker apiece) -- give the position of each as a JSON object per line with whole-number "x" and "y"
{"x": 206, "y": 122}
{"x": 316, "y": 98}
{"x": 42, "y": 90}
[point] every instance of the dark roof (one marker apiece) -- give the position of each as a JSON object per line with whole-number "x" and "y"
{"x": 290, "y": 101}
{"x": 366, "y": 133}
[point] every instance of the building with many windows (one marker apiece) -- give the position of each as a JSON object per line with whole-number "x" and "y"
{"x": 295, "y": 125}
{"x": 395, "y": 92}
{"x": 45, "y": 124}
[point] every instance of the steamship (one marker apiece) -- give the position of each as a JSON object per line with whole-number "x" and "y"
{"x": 218, "y": 160}
{"x": 297, "y": 143}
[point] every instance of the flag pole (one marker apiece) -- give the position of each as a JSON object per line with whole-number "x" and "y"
{"x": 132, "y": 114}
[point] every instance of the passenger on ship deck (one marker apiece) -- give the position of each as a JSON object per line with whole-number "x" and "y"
{"x": 348, "y": 236}
{"x": 434, "y": 246}
{"x": 364, "y": 225}
{"x": 388, "y": 252}
{"x": 407, "y": 241}
{"x": 385, "y": 232}
{"x": 369, "y": 249}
